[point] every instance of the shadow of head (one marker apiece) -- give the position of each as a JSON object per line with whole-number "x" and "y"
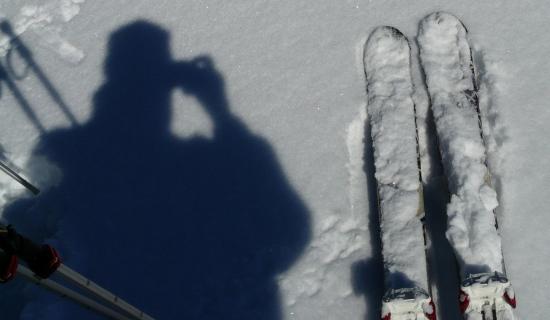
{"x": 140, "y": 74}
{"x": 137, "y": 51}
{"x": 140, "y": 51}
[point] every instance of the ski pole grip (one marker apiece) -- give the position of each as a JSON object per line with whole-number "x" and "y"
{"x": 43, "y": 260}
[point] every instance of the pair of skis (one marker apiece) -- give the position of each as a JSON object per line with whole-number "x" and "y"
{"x": 445, "y": 54}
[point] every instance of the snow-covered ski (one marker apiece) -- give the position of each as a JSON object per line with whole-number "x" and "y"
{"x": 472, "y": 229}
{"x": 391, "y": 113}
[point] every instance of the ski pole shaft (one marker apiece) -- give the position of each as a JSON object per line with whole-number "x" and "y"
{"x": 43, "y": 261}
{"x": 18, "y": 178}
{"x": 100, "y": 293}
{"x": 70, "y": 294}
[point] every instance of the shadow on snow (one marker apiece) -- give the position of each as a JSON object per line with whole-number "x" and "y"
{"x": 183, "y": 228}
{"x": 368, "y": 275}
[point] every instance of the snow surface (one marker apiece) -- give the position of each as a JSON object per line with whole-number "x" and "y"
{"x": 445, "y": 56}
{"x": 293, "y": 73}
{"x": 392, "y": 125}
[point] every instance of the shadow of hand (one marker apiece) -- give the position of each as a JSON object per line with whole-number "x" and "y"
{"x": 200, "y": 78}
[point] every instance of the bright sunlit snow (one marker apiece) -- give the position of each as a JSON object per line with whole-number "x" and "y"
{"x": 208, "y": 159}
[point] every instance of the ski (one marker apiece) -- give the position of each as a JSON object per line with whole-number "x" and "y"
{"x": 391, "y": 112}
{"x": 445, "y": 54}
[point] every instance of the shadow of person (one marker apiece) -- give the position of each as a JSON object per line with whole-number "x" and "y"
{"x": 183, "y": 228}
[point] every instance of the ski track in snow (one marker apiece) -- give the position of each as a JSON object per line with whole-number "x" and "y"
{"x": 492, "y": 77}
{"x": 339, "y": 237}
{"x": 46, "y": 19}
{"x": 356, "y": 147}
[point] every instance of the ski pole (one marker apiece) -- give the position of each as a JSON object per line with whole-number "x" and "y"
{"x": 65, "y": 292}
{"x": 43, "y": 261}
{"x": 100, "y": 293}
{"x": 18, "y": 178}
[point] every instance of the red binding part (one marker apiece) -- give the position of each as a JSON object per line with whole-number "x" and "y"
{"x": 432, "y": 315}
{"x": 10, "y": 270}
{"x": 464, "y": 300}
{"x": 510, "y": 301}
{"x": 48, "y": 263}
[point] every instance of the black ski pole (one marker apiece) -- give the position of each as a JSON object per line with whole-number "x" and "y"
{"x": 18, "y": 178}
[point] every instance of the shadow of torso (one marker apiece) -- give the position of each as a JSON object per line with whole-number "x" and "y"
{"x": 185, "y": 229}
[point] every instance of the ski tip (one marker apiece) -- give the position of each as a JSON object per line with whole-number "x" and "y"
{"x": 386, "y": 46}
{"x": 443, "y": 18}
{"x": 443, "y": 21}
{"x": 386, "y": 32}
{"x": 440, "y": 17}
{"x": 384, "y": 35}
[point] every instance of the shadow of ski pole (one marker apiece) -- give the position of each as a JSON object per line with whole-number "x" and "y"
{"x": 18, "y": 45}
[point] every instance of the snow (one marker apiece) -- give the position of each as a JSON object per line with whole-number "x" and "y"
{"x": 392, "y": 125}
{"x": 294, "y": 76}
{"x": 445, "y": 56}
{"x": 46, "y": 19}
